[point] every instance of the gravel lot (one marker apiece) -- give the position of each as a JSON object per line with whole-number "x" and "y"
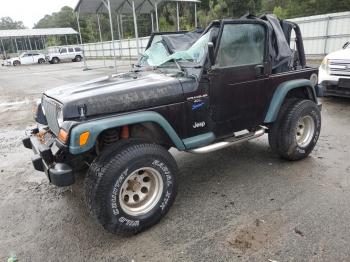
{"x": 239, "y": 204}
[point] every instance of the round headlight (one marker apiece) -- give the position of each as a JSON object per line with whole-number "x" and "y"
{"x": 60, "y": 117}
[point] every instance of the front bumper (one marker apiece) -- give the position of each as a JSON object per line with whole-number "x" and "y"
{"x": 59, "y": 174}
{"x": 334, "y": 88}
{"x": 5, "y": 63}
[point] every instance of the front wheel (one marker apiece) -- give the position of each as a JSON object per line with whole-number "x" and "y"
{"x": 78, "y": 58}
{"x": 295, "y": 133}
{"x": 41, "y": 61}
{"x": 16, "y": 63}
{"x": 131, "y": 189}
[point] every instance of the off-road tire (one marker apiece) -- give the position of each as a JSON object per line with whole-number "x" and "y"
{"x": 16, "y": 63}
{"x": 282, "y": 134}
{"x": 112, "y": 169}
{"x": 101, "y": 160}
{"x": 41, "y": 61}
{"x": 55, "y": 60}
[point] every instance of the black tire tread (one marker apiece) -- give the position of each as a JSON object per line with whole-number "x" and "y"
{"x": 96, "y": 186}
{"x": 280, "y": 129}
{"x": 91, "y": 180}
{"x": 274, "y": 132}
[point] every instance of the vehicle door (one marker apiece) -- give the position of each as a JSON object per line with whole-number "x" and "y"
{"x": 71, "y": 53}
{"x": 238, "y": 79}
{"x": 26, "y": 59}
{"x": 36, "y": 57}
{"x": 64, "y": 56}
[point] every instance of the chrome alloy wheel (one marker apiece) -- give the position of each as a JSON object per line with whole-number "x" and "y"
{"x": 305, "y": 131}
{"x": 141, "y": 191}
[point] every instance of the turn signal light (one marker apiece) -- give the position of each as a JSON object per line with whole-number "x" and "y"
{"x": 63, "y": 135}
{"x": 84, "y": 138}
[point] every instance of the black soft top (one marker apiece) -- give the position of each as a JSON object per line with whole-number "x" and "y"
{"x": 181, "y": 42}
{"x": 280, "y": 31}
{"x": 281, "y": 56}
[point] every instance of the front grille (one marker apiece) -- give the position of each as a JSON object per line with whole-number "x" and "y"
{"x": 339, "y": 67}
{"x": 51, "y": 110}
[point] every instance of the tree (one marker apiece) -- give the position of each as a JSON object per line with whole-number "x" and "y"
{"x": 299, "y": 8}
{"x": 208, "y": 10}
{"x": 280, "y": 12}
{"x": 8, "y": 23}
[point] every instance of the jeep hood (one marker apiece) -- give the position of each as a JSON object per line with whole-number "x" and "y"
{"x": 117, "y": 94}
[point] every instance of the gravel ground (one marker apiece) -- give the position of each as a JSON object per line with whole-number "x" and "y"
{"x": 242, "y": 203}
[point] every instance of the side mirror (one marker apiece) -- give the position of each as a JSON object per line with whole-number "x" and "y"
{"x": 211, "y": 53}
{"x": 346, "y": 45}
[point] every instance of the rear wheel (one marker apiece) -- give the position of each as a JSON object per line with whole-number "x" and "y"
{"x": 295, "y": 132}
{"x": 16, "y": 63}
{"x": 130, "y": 189}
{"x": 55, "y": 60}
{"x": 77, "y": 58}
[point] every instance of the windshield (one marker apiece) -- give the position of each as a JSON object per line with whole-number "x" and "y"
{"x": 157, "y": 55}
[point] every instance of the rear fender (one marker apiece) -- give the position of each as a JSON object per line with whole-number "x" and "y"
{"x": 281, "y": 93}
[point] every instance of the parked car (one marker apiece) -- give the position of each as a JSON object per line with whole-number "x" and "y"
{"x": 334, "y": 73}
{"x": 198, "y": 93}
{"x": 65, "y": 54}
{"x": 25, "y": 58}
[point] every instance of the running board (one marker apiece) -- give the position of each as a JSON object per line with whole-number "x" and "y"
{"x": 228, "y": 142}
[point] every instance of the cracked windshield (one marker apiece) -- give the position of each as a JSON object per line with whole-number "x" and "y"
{"x": 157, "y": 54}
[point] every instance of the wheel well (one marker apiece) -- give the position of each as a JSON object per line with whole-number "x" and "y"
{"x": 280, "y": 97}
{"x": 147, "y": 131}
{"x": 301, "y": 92}
{"x": 151, "y": 132}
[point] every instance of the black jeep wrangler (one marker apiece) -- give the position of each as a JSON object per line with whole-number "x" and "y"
{"x": 194, "y": 91}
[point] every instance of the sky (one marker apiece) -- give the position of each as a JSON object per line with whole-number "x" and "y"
{"x": 31, "y": 11}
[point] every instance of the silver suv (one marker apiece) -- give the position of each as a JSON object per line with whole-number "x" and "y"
{"x": 65, "y": 54}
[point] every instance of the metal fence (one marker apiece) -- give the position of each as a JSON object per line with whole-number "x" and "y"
{"x": 322, "y": 34}
{"x": 126, "y": 48}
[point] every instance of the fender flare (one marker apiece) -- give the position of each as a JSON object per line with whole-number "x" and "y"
{"x": 95, "y": 127}
{"x": 281, "y": 93}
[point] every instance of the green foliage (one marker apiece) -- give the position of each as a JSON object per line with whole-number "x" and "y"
{"x": 280, "y": 12}
{"x": 8, "y": 23}
{"x": 299, "y": 8}
{"x": 53, "y": 41}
